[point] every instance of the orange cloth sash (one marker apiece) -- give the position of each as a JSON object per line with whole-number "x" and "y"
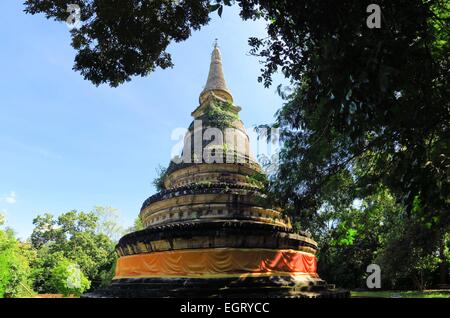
{"x": 216, "y": 262}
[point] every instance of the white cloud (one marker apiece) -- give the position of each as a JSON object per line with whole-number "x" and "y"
{"x": 11, "y": 198}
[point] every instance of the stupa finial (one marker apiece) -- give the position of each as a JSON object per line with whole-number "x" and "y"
{"x": 216, "y": 80}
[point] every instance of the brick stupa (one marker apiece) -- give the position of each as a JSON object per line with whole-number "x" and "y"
{"x": 210, "y": 231}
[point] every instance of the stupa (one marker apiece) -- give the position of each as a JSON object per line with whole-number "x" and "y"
{"x": 210, "y": 232}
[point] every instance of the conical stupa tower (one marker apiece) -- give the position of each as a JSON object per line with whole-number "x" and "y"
{"x": 210, "y": 232}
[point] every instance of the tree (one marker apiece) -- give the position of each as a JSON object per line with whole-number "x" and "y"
{"x": 15, "y": 272}
{"x": 46, "y": 260}
{"x": 137, "y": 226}
{"x": 373, "y": 230}
{"x": 108, "y": 222}
{"x": 369, "y": 103}
{"x": 351, "y": 236}
{"x": 119, "y": 39}
{"x": 45, "y": 230}
{"x": 68, "y": 279}
{"x": 74, "y": 236}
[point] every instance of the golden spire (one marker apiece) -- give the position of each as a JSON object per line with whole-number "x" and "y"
{"x": 216, "y": 81}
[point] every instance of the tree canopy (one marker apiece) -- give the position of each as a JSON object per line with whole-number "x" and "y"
{"x": 119, "y": 39}
{"x": 368, "y": 108}
{"x": 73, "y": 237}
{"x": 15, "y": 271}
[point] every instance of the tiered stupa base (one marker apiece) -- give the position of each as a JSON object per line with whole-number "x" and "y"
{"x": 221, "y": 262}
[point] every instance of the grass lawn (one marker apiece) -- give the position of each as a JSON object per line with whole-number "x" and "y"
{"x": 445, "y": 293}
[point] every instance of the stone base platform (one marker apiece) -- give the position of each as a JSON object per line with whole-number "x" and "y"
{"x": 248, "y": 287}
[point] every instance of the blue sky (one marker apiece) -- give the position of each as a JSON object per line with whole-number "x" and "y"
{"x": 66, "y": 144}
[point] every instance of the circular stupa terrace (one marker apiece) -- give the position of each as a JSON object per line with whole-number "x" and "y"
{"x": 211, "y": 232}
